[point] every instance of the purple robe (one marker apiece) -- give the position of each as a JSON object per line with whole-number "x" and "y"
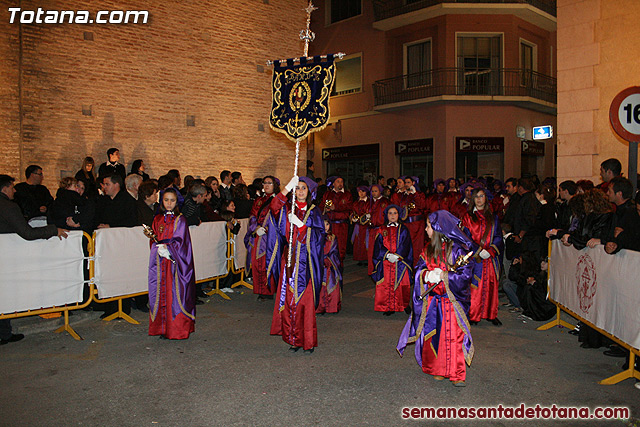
{"x": 174, "y": 233}
{"x": 404, "y": 249}
{"x": 307, "y": 257}
{"x": 334, "y": 278}
{"x": 426, "y": 321}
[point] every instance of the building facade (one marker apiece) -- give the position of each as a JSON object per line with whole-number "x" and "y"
{"x": 597, "y": 58}
{"x": 187, "y": 89}
{"x": 437, "y": 88}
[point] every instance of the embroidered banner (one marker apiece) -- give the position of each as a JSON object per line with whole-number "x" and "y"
{"x": 598, "y": 287}
{"x": 300, "y": 102}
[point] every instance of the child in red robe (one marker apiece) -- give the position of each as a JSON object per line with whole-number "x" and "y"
{"x": 393, "y": 259}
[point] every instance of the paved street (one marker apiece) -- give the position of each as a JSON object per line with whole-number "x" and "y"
{"x": 232, "y": 372}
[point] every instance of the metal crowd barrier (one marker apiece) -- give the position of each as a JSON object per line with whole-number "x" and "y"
{"x": 66, "y": 308}
{"x": 630, "y": 372}
{"x": 229, "y": 256}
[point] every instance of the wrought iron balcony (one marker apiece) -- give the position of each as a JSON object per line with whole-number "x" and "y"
{"x": 384, "y": 9}
{"x": 461, "y": 82}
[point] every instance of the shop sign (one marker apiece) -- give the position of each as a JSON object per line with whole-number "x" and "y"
{"x": 532, "y": 148}
{"x": 350, "y": 152}
{"x": 480, "y": 144}
{"x": 416, "y": 146}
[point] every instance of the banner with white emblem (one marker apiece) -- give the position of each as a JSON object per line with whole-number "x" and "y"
{"x": 601, "y": 288}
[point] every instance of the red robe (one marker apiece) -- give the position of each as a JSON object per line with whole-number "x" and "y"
{"x": 377, "y": 221}
{"x": 339, "y": 217}
{"x": 414, "y": 206}
{"x": 459, "y": 209}
{"x": 258, "y": 258}
{"x": 449, "y": 362}
{"x": 360, "y": 232}
{"x": 393, "y": 280}
{"x": 498, "y": 206}
{"x": 296, "y": 304}
{"x": 484, "y": 289}
{"x": 330, "y": 300}
{"x": 437, "y": 202}
{"x": 398, "y": 198}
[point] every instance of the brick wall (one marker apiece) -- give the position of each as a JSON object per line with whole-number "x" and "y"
{"x": 141, "y": 81}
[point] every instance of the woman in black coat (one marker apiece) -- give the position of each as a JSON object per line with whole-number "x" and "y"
{"x": 85, "y": 174}
{"x": 70, "y": 210}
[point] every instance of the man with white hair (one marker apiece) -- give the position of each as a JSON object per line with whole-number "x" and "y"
{"x": 132, "y": 182}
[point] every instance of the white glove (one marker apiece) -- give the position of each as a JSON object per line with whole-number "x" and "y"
{"x": 484, "y": 254}
{"x": 434, "y": 276}
{"x": 292, "y": 184}
{"x": 393, "y": 258}
{"x": 261, "y": 231}
{"x": 163, "y": 251}
{"x": 505, "y": 201}
{"x": 295, "y": 220}
{"x": 412, "y": 189}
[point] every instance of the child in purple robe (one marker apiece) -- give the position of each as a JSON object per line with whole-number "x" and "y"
{"x": 330, "y": 300}
{"x": 172, "y": 286}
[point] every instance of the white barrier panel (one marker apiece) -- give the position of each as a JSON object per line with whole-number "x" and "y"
{"x": 209, "y": 243}
{"x": 603, "y": 289}
{"x": 122, "y": 257}
{"x": 40, "y": 273}
{"x": 122, "y": 261}
{"x": 240, "y": 254}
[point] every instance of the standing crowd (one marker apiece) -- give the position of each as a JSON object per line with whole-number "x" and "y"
{"x": 440, "y": 254}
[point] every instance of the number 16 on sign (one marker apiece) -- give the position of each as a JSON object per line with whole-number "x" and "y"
{"x": 624, "y": 114}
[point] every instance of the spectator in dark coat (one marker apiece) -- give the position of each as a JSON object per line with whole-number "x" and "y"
{"x": 111, "y": 166}
{"x": 71, "y": 210}
{"x": 192, "y": 209}
{"x": 146, "y": 203}
{"x": 33, "y": 198}
{"x": 242, "y": 202}
{"x": 85, "y": 174}
{"x": 12, "y": 221}
{"x": 225, "y": 185}
{"x": 116, "y": 208}
{"x": 137, "y": 167}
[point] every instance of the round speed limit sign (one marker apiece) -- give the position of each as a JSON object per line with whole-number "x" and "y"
{"x": 624, "y": 114}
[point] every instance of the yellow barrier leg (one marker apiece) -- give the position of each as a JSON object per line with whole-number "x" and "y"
{"x": 242, "y": 282}
{"x": 217, "y": 291}
{"x": 67, "y": 327}
{"x": 629, "y": 373}
{"x": 556, "y": 322}
{"x": 121, "y": 315}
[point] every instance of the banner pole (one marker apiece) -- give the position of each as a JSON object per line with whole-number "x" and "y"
{"x": 293, "y": 202}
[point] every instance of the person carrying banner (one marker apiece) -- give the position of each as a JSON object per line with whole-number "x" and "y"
{"x": 298, "y": 283}
{"x": 438, "y": 324}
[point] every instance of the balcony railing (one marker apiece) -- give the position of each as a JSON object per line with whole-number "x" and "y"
{"x": 384, "y": 9}
{"x": 464, "y": 82}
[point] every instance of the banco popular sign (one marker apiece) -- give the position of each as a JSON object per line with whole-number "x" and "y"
{"x": 480, "y": 144}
